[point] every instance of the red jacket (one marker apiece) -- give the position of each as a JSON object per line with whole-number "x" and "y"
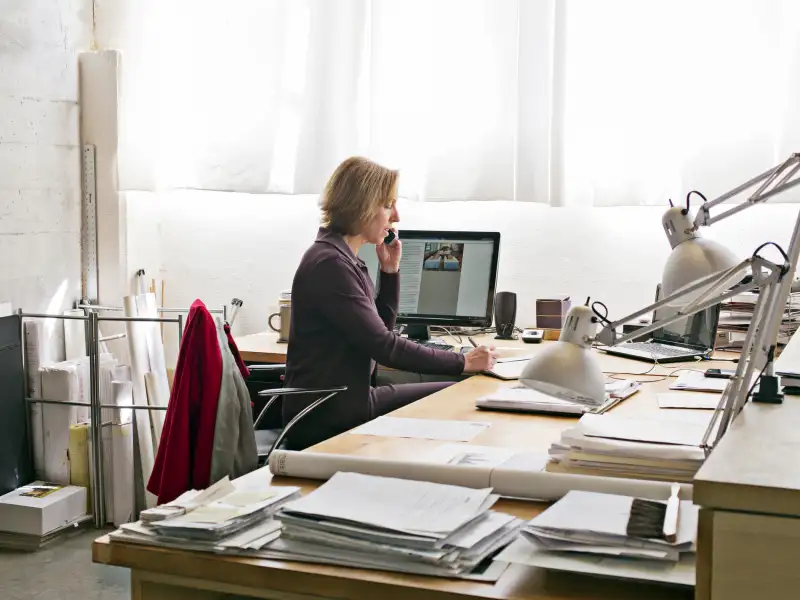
{"x": 183, "y": 461}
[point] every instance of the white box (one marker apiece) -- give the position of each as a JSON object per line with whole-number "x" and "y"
{"x": 26, "y": 514}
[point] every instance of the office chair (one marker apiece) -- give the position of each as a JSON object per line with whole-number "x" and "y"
{"x": 268, "y": 440}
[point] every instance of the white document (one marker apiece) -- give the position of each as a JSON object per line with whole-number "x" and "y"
{"x": 643, "y": 430}
{"x": 470, "y": 454}
{"x": 698, "y": 400}
{"x": 681, "y": 573}
{"x": 417, "y": 507}
{"x": 695, "y": 381}
{"x": 573, "y": 438}
{"x": 425, "y": 429}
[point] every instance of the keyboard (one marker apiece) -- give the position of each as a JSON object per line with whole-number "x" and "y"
{"x": 658, "y": 349}
{"x": 436, "y": 345}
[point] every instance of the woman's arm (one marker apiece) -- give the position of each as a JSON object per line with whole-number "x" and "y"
{"x": 388, "y": 299}
{"x": 337, "y": 293}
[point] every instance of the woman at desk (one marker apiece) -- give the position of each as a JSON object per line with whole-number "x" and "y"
{"x": 339, "y": 329}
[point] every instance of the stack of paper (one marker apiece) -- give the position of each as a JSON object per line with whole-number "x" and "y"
{"x": 524, "y": 399}
{"x": 226, "y": 517}
{"x": 398, "y": 525}
{"x": 736, "y": 315}
{"x": 587, "y": 530}
{"x": 612, "y": 446}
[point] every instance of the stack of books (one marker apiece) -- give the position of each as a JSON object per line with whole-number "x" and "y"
{"x": 736, "y": 314}
{"x": 397, "y": 525}
{"x": 225, "y": 518}
{"x": 591, "y": 533}
{"x": 613, "y": 446}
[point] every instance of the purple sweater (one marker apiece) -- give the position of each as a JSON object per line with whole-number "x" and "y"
{"x": 339, "y": 331}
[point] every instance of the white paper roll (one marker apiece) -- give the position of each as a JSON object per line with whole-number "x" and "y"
{"x": 74, "y": 335}
{"x": 121, "y": 373}
{"x": 155, "y": 397}
{"x": 510, "y": 483}
{"x": 122, "y": 473}
{"x": 122, "y": 393}
{"x": 137, "y": 350}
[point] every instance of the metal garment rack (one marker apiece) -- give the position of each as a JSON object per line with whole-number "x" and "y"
{"x": 91, "y": 319}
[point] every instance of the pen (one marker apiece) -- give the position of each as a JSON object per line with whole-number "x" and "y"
{"x": 471, "y": 341}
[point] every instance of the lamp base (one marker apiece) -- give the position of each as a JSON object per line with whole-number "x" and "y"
{"x": 769, "y": 391}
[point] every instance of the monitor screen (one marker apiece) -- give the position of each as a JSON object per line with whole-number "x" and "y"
{"x": 446, "y": 277}
{"x": 697, "y": 331}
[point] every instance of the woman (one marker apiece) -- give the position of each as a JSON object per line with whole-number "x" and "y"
{"x": 339, "y": 329}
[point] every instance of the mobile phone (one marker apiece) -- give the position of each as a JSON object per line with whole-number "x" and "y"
{"x": 389, "y": 237}
{"x": 719, "y": 373}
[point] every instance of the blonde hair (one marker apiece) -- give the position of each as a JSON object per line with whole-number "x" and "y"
{"x": 355, "y": 193}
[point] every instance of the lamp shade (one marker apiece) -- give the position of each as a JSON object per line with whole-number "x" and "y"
{"x": 693, "y": 257}
{"x": 692, "y": 260}
{"x": 568, "y": 368}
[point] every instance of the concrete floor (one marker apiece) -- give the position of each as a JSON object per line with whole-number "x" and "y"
{"x": 62, "y": 571}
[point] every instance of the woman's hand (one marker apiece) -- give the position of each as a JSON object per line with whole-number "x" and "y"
{"x": 389, "y": 255}
{"x": 480, "y": 359}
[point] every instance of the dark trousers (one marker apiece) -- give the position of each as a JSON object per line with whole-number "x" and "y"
{"x": 386, "y": 398}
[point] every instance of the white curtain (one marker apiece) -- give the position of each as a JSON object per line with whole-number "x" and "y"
{"x": 613, "y": 102}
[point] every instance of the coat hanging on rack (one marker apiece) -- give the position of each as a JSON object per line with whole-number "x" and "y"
{"x": 208, "y": 431}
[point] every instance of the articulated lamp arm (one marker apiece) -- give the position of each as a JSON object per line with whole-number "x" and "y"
{"x": 775, "y": 181}
{"x": 759, "y": 346}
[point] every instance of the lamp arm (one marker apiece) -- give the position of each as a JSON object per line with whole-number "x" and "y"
{"x": 776, "y": 180}
{"x": 719, "y": 285}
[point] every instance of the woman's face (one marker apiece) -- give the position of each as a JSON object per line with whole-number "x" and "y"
{"x": 378, "y": 228}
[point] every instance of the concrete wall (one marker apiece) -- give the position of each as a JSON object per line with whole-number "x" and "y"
{"x": 215, "y": 246}
{"x": 40, "y": 151}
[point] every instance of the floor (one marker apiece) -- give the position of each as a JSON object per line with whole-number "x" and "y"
{"x": 63, "y": 570}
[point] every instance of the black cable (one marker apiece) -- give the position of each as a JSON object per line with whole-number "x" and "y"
{"x": 685, "y": 211}
{"x": 781, "y": 250}
{"x": 603, "y": 318}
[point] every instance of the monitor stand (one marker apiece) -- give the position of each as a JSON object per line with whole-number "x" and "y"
{"x": 418, "y": 333}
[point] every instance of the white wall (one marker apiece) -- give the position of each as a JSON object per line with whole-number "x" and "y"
{"x": 40, "y": 151}
{"x": 216, "y": 246}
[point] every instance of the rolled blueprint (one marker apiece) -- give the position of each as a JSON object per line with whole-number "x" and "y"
{"x": 509, "y": 483}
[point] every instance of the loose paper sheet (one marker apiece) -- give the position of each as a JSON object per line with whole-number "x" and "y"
{"x": 426, "y": 429}
{"x": 698, "y": 400}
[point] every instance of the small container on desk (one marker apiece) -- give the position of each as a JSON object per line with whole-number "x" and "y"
{"x": 551, "y": 312}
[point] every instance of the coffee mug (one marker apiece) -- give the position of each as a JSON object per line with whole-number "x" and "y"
{"x": 284, "y": 316}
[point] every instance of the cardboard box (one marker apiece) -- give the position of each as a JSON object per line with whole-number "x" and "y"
{"x": 551, "y": 312}
{"x": 40, "y": 507}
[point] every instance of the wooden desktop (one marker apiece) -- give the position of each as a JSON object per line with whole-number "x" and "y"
{"x": 162, "y": 573}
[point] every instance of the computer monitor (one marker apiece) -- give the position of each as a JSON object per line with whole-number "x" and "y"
{"x": 447, "y": 278}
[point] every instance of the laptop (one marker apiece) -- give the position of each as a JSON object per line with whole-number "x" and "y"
{"x": 690, "y": 338}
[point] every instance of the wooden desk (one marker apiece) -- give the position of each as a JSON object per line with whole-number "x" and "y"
{"x": 749, "y": 494}
{"x": 264, "y": 348}
{"x": 158, "y": 574}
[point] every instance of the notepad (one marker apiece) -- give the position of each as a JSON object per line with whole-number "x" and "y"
{"x": 426, "y": 429}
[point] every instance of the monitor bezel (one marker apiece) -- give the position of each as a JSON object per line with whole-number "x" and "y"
{"x": 457, "y": 320}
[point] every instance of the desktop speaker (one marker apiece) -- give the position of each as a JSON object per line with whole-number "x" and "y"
{"x": 505, "y": 315}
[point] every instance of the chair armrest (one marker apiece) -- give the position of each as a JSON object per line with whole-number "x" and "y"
{"x": 327, "y": 395}
{"x": 267, "y": 367}
{"x": 298, "y": 391}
